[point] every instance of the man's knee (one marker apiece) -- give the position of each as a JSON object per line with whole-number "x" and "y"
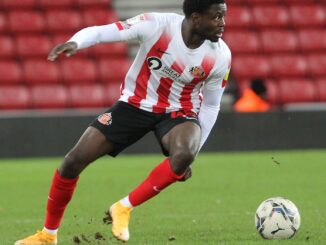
{"x": 72, "y": 165}
{"x": 181, "y": 160}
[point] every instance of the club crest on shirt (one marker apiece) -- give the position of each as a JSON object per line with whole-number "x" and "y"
{"x": 197, "y": 72}
{"x": 105, "y": 119}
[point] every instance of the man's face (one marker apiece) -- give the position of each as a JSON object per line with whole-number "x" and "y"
{"x": 210, "y": 24}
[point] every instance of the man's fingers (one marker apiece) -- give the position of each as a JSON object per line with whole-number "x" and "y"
{"x": 61, "y": 48}
{"x": 52, "y": 56}
{"x": 70, "y": 52}
{"x": 55, "y": 52}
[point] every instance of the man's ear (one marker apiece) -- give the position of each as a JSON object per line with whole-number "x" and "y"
{"x": 195, "y": 18}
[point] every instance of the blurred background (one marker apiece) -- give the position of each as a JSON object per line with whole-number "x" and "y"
{"x": 278, "y": 44}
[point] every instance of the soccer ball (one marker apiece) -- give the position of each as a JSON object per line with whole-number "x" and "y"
{"x": 277, "y": 218}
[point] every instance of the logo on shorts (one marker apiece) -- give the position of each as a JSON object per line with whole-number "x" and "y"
{"x": 197, "y": 72}
{"x": 105, "y": 118}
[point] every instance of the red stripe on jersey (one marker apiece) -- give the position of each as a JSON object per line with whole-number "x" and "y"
{"x": 224, "y": 82}
{"x": 142, "y": 80}
{"x": 163, "y": 89}
{"x": 185, "y": 99}
{"x": 122, "y": 87}
{"x": 120, "y": 27}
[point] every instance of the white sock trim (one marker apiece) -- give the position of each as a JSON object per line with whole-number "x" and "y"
{"x": 125, "y": 202}
{"x": 52, "y": 232}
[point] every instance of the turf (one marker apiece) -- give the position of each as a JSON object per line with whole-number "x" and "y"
{"x": 216, "y": 206}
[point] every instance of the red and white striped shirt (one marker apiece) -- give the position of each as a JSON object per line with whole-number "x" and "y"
{"x": 166, "y": 75}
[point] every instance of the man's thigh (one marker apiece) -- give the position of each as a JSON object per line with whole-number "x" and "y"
{"x": 175, "y": 133}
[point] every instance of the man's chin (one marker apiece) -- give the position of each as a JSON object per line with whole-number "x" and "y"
{"x": 214, "y": 40}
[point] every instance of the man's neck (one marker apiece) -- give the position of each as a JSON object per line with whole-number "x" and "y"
{"x": 190, "y": 38}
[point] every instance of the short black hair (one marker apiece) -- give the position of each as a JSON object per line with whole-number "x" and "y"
{"x": 198, "y": 6}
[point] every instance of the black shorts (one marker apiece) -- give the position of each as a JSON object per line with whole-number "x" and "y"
{"x": 124, "y": 124}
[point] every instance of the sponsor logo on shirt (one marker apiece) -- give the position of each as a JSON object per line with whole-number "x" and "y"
{"x": 156, "y": 64}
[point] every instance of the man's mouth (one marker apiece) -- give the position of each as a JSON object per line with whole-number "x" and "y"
{"x": 219, "y": 33}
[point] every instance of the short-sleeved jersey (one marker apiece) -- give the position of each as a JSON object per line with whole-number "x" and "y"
{"x": 166, "y": 75}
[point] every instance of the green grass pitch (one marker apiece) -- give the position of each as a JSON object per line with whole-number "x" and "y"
{"x": 216, "y": 206}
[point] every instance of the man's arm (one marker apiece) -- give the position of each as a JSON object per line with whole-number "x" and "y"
{"x": 209, "y": 110}
{"x": 135, "y": 28}
{"x": 85, "y": 38}
{"x": 212, "y": 95}
{"x": 90, "y": 36}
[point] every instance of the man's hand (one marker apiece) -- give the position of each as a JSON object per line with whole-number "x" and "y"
{"x": 68, "y": 48}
